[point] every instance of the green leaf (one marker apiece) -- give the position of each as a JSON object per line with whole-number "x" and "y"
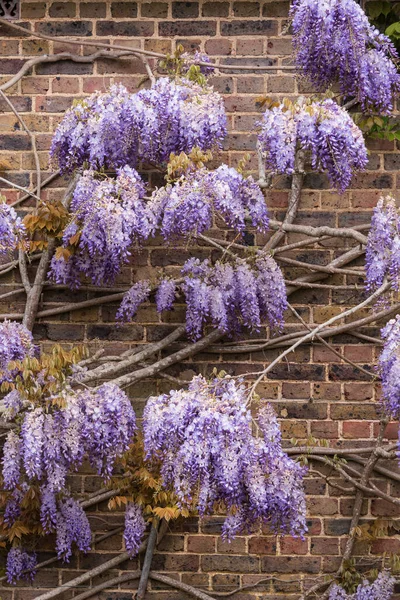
{"x": 375, "y": 9}
{"x": 386, "y": 8}
{"x": 393, "y": 30}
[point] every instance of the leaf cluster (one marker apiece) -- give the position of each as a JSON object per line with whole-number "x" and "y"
{"x": 143, "y": 485}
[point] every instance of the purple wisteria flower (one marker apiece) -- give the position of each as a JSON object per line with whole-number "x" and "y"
{"x": 389, "y": 368}
{"x": 188, "y": 206}
{"x": 16, "y": 343}
{"x": 382, "y": 254}
{"x": 135, "y": 526}
{"x": 107, "y": 217}
{"x": 12, "y": 230}
{"x": 133, "y": 298}
{"x": 194, "y": 59}
{"x": 333, "y": 41}
{"x": 324, "y": 130}
{"x": 381, "y": 589}
{"x": 116, "y": 128}
{"x": 72, "y": 526}
{"x": 165, "y": 295}
{"x": 233, "y": 296}
{"x": 98, "y": 424}
{"x": 18, "y": 561}
{"x": 204, "y": 441}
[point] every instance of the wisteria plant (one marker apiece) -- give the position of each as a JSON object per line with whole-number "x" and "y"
{"x": 210, "y": 444}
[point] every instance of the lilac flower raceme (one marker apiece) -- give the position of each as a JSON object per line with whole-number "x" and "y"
{"x": 18, "y": 561}
{"x": 389, "y": 368}
{"x": 324, "y": 130}
{"x": 116, "y": 128}
{"x": 382, "y": 254}
{"x": 11, "y": 460}
{"x": 188, "y": 206}
{"x": 72, "y": 526}
{"x": 203, "y": 439}
{"x": 135, "y": 526}
{"x": 133, "y": 298}
{"x": 233, "y": 296}
{"x": 333, "y": 41}
{"x": 165, "y": 295}
{"x": 12, "y": 230}
{"x": 107, "y": 217}
{"x": 381, "y": 589}
{"x": 97, "y": 424}
{"x": 16, "y": 343}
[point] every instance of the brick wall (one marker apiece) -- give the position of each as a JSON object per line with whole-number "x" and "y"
{"x": 315, "y": 393}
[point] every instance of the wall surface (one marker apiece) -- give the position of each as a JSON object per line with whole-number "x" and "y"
{"x": 315, "y": 392}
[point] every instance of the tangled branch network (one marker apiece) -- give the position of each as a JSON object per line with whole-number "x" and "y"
{"x": 198, "y": 448}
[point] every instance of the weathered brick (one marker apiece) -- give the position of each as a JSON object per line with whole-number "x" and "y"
{"x": 125, "y": 28}
{"x": 215, "y": 9}
{"x": 185, "y": 10}
{"x": 124, "y": 10}
{"x": 266, "y": 27}
{"x": 154, "y": 10}
{"x": 246, "y": 9}
{"x": 67, "y": 28}
{"x": 231, "y": 564}
{"x": 188, "y": 28}
{"x": 93, "y": 10}
{"x": 291, "y": 564}
{"x": 62, "y": 9}
{"x": 33, "y": 10}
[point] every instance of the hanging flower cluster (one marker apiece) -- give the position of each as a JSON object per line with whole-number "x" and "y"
{"x": 98, "y": 424}
{"x": 389, "y": 367}
{"x": 135, "y": 526}
{"x": 204, "y": 441}
{"x": 382, "y": 254}
{"x": 187, "y": 207}
{"x": 228, "y": 296}
{"x": 334, "y": 42}
{"x": 18, "y": 561}
{"x": 381, "y": 589}
{"x": 322, "y": 128}
{"x": 16, "y": 343}
{"x": 107, "y": 217}
{"x": 12, "y": 230}
{"x": 232, "y": 296}
{"x": 116, "y": 128}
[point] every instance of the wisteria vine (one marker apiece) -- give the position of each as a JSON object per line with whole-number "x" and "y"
{"x": 201, "y": 439}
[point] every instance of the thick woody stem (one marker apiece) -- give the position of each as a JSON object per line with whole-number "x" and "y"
{"x": 293, "y": 200}
{"x": 148, "y": 558}
{"x": 34, "y": 294}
